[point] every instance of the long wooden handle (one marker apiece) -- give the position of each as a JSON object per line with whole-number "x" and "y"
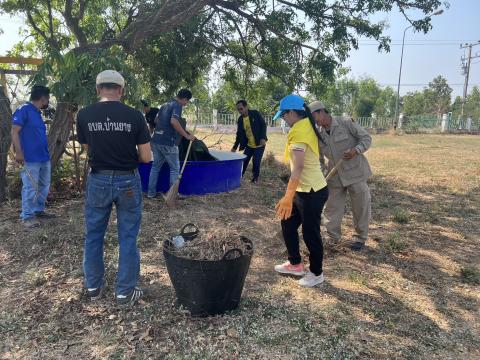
{"x": 334, "y": 170}
{"x": 191, "y": 141}
{"x": 186, "y": 158}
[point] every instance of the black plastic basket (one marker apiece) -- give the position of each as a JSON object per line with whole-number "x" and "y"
{"x": 209, "y": 287}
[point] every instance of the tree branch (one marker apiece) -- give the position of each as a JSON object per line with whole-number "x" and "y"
{"x": 147, "y": 25}
{"x": 259, "y": 24}
{"x": 50, "y": 18}
{"x": 51, "y": 41}
{"x": 73, "y": 22}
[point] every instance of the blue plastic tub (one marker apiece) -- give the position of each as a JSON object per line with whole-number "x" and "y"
{"x": 201, "y": 177}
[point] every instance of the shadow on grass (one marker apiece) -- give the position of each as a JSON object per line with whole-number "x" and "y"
{"x": 362, "y": 319}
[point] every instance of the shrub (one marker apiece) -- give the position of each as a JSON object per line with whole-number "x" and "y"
{"x": 470, "y": 275}
{"x": 395, "y": 244}
{"x": 401, "y": 216}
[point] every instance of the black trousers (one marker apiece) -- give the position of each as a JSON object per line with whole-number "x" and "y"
{"x": 307, "y": 210}
{"x": 257, "y": 154}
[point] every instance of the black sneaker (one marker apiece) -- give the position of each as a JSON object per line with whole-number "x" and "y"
{"x": 357, "y": 246}
{"x": 45, "y": 215}
{"x": 30, "y": 223}
{"x": 95, "y": 294}
{"x": 130, "y": 299}
{"x": 254, "y": 180}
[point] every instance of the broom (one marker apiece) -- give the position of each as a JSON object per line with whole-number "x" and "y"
{"x": 173, "y": 192}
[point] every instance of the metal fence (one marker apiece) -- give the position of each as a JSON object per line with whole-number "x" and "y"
{"x": 410, "y": 124}
{"x": 468, "y": 124}
{"x": 212, "y": 119}
{"x": 379, "y": 124}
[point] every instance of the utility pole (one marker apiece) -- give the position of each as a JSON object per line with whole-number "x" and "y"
{"x": 466, "y": 70}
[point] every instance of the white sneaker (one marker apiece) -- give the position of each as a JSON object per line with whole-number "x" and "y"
{"x": 289, "y": 269}
{"x": 311, "y": 280}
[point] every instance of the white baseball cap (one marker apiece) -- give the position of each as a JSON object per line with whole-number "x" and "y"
{"x": 110, "y": 77}
{"x": 316, "y": 105}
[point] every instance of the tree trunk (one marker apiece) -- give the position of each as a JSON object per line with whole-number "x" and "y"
{"x": 60, "y": 131}
{"x": 5, "y": 141}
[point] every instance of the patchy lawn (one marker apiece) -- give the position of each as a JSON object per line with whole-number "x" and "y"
{"x": 413, "y": 293}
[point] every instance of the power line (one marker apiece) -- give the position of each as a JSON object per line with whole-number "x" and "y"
{"x": 414, "y": 44}
{"x": 425, "y": 84}
{"x": 423, "y": 40}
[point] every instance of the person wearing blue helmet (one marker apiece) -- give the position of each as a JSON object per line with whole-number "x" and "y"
{"x": 306, "y": 192}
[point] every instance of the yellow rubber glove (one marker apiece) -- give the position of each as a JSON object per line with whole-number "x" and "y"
{"x": 285, "y": 205}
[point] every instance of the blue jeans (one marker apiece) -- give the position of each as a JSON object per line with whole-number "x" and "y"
{"x": 102, "y": 192}
{"x": 36, "y": 184}
{"x": 162, "y": 153}
{"x": 257, "y": 154}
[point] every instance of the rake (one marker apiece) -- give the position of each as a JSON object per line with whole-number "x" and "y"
{"x": 334, "y": 170}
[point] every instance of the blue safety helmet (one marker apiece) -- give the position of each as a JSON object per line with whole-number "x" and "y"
{"x": 290, "y": 102}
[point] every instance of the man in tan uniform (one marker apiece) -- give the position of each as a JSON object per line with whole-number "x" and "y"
{"x": 345, "y": 139}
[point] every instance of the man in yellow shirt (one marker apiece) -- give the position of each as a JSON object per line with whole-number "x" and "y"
{"x": 251, "y": 137}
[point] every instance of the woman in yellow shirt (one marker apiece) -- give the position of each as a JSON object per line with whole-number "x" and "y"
{"x": 306, "y": 192}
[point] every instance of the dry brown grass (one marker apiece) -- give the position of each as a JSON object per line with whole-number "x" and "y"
{"x": 405, "y": 296}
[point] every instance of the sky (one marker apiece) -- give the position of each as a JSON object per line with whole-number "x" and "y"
{"x": 425, "y": 55}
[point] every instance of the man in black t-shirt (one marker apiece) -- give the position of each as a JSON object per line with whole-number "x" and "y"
{"x": 117, "y": 139}
{"x": 150, "y": 115}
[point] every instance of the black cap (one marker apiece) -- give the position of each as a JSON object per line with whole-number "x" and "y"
{"x": 145, "y": 103}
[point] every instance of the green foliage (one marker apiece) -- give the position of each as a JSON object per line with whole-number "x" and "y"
{"x": 65, "y": 170}
{"x": 385, "y": 103}
{"x": 472, "y": 103}
{"x": 364, "y": 107}
{"x": 167, "y": 44}
{"x": 401, "y": 216}
{"x": 470, "y": 275}
{"x": 263, "y": 94}
{"x": 437, "y": 96}
{"x": 457, "y": 107}
{"x": 395, "y": 243}
{"x": 72, "y": 76}
{"x": 413, "y": 103}
{"x": 361, "y": 98}
{"x": 171, "y": 61}
{"x": 433, "y": 100}
{"x": 358, "y": 278}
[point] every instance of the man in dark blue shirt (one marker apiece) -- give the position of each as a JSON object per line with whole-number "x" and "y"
{"x": 29, "y": 138}
{"x": 164, "y": 140}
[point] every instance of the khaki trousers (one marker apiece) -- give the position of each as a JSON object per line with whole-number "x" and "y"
{"x": 361, "y": 210}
